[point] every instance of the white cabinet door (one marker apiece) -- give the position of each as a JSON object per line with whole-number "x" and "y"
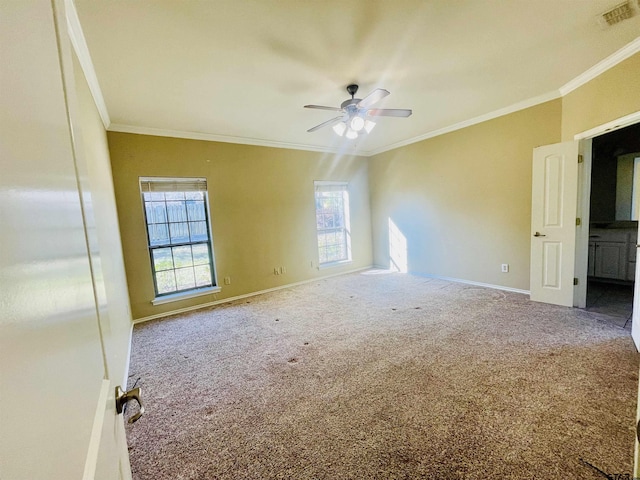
{"x": 611, "y": 260}
{"x": 631, "y": 257}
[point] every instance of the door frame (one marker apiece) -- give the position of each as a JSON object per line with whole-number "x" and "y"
{"x": 584, "y": 199}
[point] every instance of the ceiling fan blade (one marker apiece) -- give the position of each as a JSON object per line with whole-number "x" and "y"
{"x": 375, "y": 96}
{"x": 333, "y": 121}
{"x": 320, "y": 107}
{"x": 389, "y": 112}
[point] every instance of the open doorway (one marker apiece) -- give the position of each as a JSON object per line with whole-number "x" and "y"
{"x": 613, "y": 224}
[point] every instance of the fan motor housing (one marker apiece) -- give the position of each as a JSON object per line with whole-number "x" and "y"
{"x": 352, "y": 101}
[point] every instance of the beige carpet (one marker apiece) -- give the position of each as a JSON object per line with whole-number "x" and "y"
{"x": 386, "y": 376}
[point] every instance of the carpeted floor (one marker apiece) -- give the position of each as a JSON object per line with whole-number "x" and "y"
{"x": 386, "y": 376}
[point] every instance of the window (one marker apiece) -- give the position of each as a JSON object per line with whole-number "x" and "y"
{"x": 332, "y": 221}
{"x": 178, "y": 234}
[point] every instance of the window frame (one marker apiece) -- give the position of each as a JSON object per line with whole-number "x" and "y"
{"x": 196, "y": 290}
{"x": 326, "y": 186}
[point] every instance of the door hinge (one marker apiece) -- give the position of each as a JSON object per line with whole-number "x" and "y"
{"x": 580, "y": 159}
{"x": 575, "y": 281}
{"x": 578, "y": 222}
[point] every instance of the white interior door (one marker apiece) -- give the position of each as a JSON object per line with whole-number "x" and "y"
{"x": 108, "y": 456}
{"x": 59, "y": 356}
{"x": 553, "y": 222}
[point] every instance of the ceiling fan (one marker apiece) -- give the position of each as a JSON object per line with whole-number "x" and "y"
{"x": 355, "y": 113}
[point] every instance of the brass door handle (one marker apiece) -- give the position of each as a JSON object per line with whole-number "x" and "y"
{"x": 538, "y": 234}
{"x": 122, "y": 398}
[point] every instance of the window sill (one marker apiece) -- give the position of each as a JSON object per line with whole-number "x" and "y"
{"x": 175, "y": 297}
{"x": 333, "y": 264}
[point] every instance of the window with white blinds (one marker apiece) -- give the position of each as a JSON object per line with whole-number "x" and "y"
{"x": 178, "y": 233}
{"x": 332, "y": 222}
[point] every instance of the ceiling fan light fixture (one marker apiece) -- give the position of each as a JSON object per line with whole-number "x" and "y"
{"x": 368, "y": 125}
{"x": 357, "y": 123}
{"x": 355, "y": 113}
{"x": 340, "y": 128}
{"x": 351, "y": 134}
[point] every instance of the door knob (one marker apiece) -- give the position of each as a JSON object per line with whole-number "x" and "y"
{"x": 122, "y": 398}
{"x": 538, "y": 234}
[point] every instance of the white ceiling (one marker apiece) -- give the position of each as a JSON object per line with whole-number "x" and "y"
{"x": 241, "y": 70}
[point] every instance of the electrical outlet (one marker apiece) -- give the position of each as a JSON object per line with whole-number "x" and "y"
{"x": 227, "y": 280}
{"x": 505, "y": 268}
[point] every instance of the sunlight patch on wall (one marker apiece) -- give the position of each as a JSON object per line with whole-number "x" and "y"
{"x": 397, "y": 249}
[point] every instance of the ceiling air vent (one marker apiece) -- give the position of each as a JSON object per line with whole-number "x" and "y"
{"x": 619, "y": 13}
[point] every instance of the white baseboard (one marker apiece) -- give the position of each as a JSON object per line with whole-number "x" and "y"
{"x": 471, "y": 282}
{"x": 240, "y": 297}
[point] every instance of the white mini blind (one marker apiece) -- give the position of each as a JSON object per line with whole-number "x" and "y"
{"x": 173, "y": 184}
{"x": 331, "y": 186}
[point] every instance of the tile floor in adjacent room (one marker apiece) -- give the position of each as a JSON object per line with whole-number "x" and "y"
{"x": 611, "y": 299}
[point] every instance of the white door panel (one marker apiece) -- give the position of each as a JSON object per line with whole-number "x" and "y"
{"x": 553, "y": 213}
{"x": 56, "y": 399}
{"x": 95, "y": 182}
{"x": 112, "y": 460}
{"x": 50, "y": 347}
{"x": 551, "y": 264}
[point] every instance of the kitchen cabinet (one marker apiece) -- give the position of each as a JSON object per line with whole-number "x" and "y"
{"x": 610, "y": 260}
{"x": 612, "y": 254}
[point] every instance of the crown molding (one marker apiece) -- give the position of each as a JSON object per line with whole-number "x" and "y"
{"x": 79, "y": 43}
{"x": 161, "y": 132}
{"x": 531, "y": 102}
{"x": 611, "y": 61}
{"x": 599, "y": 68}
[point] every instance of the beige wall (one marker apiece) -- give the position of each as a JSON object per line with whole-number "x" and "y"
{"x": 261, "y": 204}
{"x": 610, "y": 96}
{"x": 463, "y": 200}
